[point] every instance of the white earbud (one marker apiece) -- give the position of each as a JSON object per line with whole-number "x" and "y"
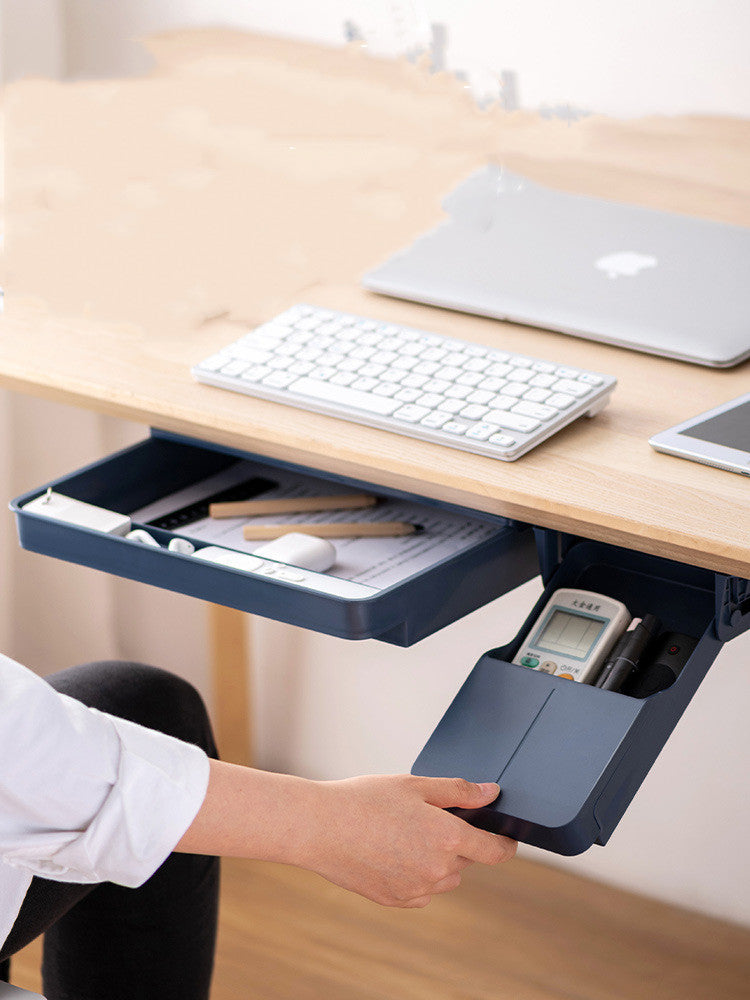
{"x": 139, "y": 535}
{"x": 181, "y": 545}
{"x": 297, "y": 549}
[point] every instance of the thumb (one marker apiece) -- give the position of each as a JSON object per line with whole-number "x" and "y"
{"x": 459, "y": 793}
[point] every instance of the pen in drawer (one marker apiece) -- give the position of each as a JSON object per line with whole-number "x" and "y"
{"x": 334, "y": 529}
{"x": 292, "y": 505}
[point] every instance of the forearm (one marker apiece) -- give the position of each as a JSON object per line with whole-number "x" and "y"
{"x": 252, "y": 814}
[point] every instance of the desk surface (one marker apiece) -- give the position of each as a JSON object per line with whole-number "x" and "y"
{"x": 151, "y": 220}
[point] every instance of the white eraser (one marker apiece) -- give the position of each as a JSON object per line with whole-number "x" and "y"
{"x": 298, "y": 549}
{"x": 85, "y": 515}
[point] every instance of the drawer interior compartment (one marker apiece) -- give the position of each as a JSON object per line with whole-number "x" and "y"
{"x": 568, "y": 756}
{"x": 398, "y": 589}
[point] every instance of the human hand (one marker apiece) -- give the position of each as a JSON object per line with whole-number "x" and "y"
{"x": 389, "y": 838}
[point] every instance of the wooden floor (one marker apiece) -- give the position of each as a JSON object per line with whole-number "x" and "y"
{"x": 521, "y": 932}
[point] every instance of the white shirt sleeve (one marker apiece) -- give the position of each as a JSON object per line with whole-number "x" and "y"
{"x": 85, "y": 796}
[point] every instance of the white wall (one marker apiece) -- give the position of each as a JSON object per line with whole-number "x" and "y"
{"x": 635, "y": 58}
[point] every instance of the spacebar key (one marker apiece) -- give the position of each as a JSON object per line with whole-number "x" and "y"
{"x": 339, "y": 395}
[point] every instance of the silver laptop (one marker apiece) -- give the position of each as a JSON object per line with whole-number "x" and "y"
{"x": 659, "y": 282}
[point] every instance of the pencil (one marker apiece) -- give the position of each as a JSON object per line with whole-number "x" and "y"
{"x": 340, "y": 529}
{"x": 291, "y": 505}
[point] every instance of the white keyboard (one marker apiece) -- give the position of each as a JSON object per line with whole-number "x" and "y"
{"x": 421, "y": 384}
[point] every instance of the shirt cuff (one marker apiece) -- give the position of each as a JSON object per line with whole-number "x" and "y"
{"x": 160, "y": 786}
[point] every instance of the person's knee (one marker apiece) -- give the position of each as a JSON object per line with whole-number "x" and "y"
{"x": 147, "y": 695}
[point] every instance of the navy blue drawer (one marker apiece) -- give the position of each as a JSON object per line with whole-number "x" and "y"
{"x": 569, "y": 757}
{"x": 503, "y": 556}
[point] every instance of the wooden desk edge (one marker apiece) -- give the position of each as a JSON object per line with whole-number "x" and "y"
{"x": 727, "y": 562}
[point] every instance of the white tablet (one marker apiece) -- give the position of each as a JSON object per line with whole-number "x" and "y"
{"x": 719, "y": 437}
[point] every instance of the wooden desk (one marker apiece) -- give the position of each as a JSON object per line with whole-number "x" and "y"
{"x": 247, "y": 174}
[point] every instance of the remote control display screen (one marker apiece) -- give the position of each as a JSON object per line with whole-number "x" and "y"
{"x": 731, "y": 428}
{"x": 569, "y": 634}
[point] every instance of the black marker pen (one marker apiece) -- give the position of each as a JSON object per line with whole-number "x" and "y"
{"x": 617, "y": 671}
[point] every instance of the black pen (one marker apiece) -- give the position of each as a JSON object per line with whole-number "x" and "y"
{"x": 619, "y": 668}
{"x": 618, "y": 647}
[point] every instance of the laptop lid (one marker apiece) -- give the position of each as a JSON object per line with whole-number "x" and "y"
{"x": 659, "y": 282}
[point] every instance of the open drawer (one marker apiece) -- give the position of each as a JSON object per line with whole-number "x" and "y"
{"x": 569, "y": 757}
{"x": 395, "y": 589}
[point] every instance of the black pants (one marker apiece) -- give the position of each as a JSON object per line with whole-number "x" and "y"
{"x": 106, "y": 942}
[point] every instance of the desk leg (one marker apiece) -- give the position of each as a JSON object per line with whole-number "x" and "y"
{"x": 228, "y": 650}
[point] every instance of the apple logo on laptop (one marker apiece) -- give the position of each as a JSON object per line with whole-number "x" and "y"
{"x": 624, "y": 263}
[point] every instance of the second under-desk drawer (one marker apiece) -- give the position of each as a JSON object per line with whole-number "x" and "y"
{"x": 398, "y": 589}
{"x": 568, "y": 756}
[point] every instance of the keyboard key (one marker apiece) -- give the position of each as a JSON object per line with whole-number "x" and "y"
{"x": 495, "y": 417}
{"x": 256, "y": 373}
{"x": 502, "y": 440}
{"x": 448, "y": 372}
{"x": 473, "y": 411}
{"x": 405, "y": 364}
{"x": 543, "y": 366}
{"x": 343, "y": 396}
{"x": 469, "y": 378}
{"x": 435, "y": 419}
{"x": 513, "y": 421}
{"x": 516, "y": 389}
{"x": 480, "y": 432}
{"x": 481, "y": 396}
{"x": 214, "y": 363}
{"x": 499, "y": 369}
{"x": 568, "y": 373}
{"x": 426, "y": 367}
{"x": 279, "y": 380}
{"x": 477, "y": 364}
{"x": 351, "y": 365}
{"x": 362, "y": 353}
{"x": 455, "y": 427}
{"x": 502, "y": 402}
{"x": 431, "y": 400}
{"x": 301, "y": 367}
{"x": 571, "y": 388}
{"x": 252, "y": 354}
{"x": 590, "y": 378}
{"x": 343, "y": 378}
{"x": 519, "y": 375}
{"x": 436, "y": 385}
{"x": 234, "y": 368}
{"x": 519, "y": 361}
{"x": 365, "y": 384}
{"x": 413, "y": 381}
{"x": 560, "y": 400}
{"x": 536, "y": 410}
{"x": 411, "y": 413}
{"x": 543, "y": 381}
{"x": 408, "y": 395}
{"x": 451, "y": 405}
{"x": 537, "y": 395}
{"x": 492, "y": 384}
{"x": 457, "y": 391}
{"x": 386, "y": 388}
{"x": 370, "y": 370}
